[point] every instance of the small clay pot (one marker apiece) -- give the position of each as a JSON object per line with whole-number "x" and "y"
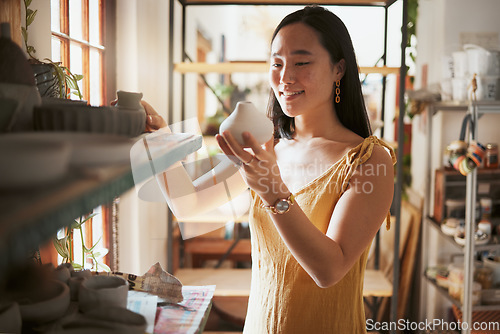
{"x": 102, "y": 291}
{"x": 44, "y": 303}
{"x": 74, "y": 284}
{"x": 61, "y": 273}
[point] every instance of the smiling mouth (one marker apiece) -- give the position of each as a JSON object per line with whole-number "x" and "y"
{"x": 292, "y": 93}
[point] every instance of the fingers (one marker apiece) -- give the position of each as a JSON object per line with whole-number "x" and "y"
{"x": 235, "y": 147}
{"x": 153, "y": 120}
{"x": 223, "y": 146}
{"x": 251, "y": 142}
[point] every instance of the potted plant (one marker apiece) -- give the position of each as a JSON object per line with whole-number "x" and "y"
{"x": 52, "y": 78}
{"x": 64, "y": 247}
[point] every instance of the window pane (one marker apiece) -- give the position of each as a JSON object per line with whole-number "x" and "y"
{"x": 56, "y": 49}
{"x": 55, "y": 21}
{"x": 75, "y": 19}
{"x": 94, "y": 22}
{"x": 95, "y": 78}
{"x": 76, "y": 64}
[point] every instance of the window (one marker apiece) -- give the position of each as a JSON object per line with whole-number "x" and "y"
{"x": 78, "y": 35}
{"x": 78, "y": 42}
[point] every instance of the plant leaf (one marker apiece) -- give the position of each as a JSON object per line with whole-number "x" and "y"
{"x": 30, "y": 17}
{"x": 77, "y": 266}
{"x": 78, "y": 77}
{"x": 61, "y": 247}
{"x": 104, "y": 266}
{"x": 27, "y": 2}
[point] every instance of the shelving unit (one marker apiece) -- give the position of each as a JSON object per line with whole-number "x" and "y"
{"x": 261, "y": 66}
{"x": 31, "y": 217}
{"x": 476, "y": 109}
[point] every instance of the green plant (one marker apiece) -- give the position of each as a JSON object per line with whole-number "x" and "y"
{"x": 67, "y": 81}
{"x": 64, "y": 247}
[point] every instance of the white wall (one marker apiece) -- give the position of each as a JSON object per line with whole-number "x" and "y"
{"x": 39, "y": 33}
{"x": 142, "y": 66}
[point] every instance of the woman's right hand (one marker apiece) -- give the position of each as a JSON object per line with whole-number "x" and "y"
{"x": 260, "y": 169}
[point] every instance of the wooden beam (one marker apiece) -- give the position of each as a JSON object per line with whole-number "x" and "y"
{"x": 292, "y": 2}
{"x": 11, "y": 12}
{"x": 255, "y": 67}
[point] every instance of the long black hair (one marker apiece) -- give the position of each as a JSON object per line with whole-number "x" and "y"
{"x": 334, "y": 37}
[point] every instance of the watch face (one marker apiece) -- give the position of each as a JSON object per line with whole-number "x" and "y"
{"x": 282, "y": 206}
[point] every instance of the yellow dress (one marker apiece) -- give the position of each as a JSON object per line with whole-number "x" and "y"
{"x": 283, "y": 297}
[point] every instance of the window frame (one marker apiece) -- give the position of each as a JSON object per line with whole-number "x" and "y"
{"x": 65, "y": 39}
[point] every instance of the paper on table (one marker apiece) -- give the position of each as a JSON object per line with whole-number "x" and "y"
{"x": 188, "y": 315}
{"x": 144, "y": 304}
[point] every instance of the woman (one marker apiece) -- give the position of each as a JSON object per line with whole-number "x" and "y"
{"x": 321, "y": 189}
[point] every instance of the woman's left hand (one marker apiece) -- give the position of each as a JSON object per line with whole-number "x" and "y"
{"x": 153, "y": 120}
{"x": 260, "y": 169}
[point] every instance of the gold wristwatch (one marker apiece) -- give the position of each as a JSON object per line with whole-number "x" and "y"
{"x": 281, "y": 206}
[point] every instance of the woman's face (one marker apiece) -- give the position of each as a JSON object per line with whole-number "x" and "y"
{"x": 302, "y": 75}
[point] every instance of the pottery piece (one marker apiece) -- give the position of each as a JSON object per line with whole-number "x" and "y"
{"x": 31, "y": 163}
{"x": 129, "y": 104}
{"x": 106, "y": 320}
{"x": 44, "y": 303}
{"x": 246, "y": 117}
{"x": 10, "y": 318}
{"x": 106, "y": 291}
{"x": 27, "y": 98}
{"x": 14, "y": 66}
{"x": 74, "y": 284}
{"x": 77, "y": 116}
{"x": 8, "y": 107}
{"x": 62, "y": 273}
{"x": 81, "y": 273}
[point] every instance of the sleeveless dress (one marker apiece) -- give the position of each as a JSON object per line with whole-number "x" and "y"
{"x": 283, "y": 297}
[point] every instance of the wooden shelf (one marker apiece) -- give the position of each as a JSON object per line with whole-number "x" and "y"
{"x": 30, "y": 217}
{"x": 484, "y": 107}
{"x": 256, "y": 67}
{"x": 292, "y": 2}
{"x": 457, "y": 303}
{"x": 236, "y": 282}
{"x": 492, "y": 245}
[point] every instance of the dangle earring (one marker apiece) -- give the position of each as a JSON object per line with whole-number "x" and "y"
{"x": 337, "y": 91}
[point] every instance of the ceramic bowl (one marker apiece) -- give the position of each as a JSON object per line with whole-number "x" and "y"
{"x": 44, "y": 303}
{"x": 31, "y": 163}
{"x": 10, "y": 318}
{"x": 102, "y": 291}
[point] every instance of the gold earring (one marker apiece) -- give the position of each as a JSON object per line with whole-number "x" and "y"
{"x": 337, "y": 91}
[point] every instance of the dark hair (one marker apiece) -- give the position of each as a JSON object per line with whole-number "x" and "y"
{"x": 335, "y": 38}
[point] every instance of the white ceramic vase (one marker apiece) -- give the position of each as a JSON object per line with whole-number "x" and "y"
{"x": 246, "y": 117}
